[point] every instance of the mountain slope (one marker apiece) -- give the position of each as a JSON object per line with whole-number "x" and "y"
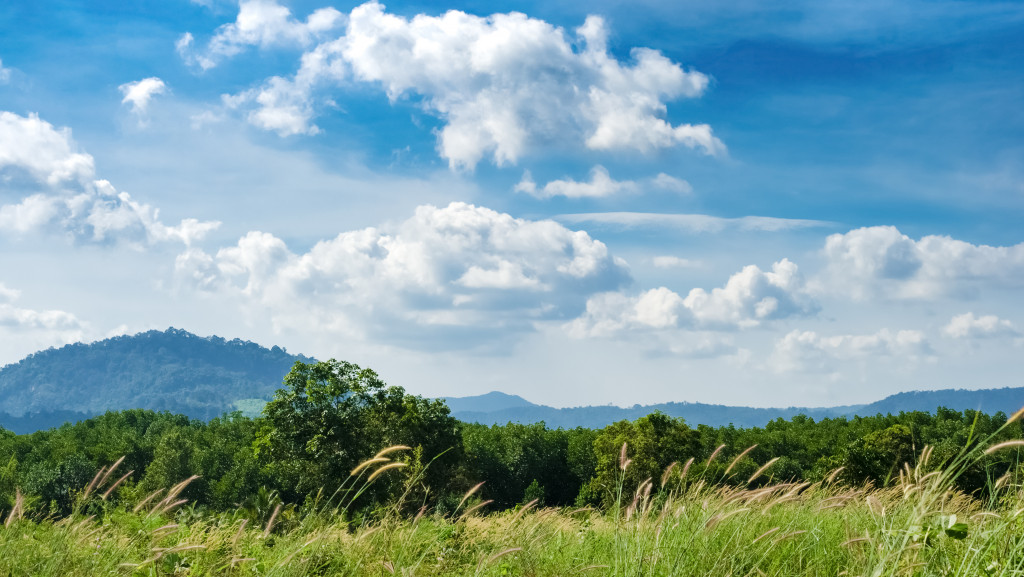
{"x": 487, "y": 403}
{"x": 173, "y": 370}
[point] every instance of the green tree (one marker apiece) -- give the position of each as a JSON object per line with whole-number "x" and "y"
{"x": 654, "y": 442}
{"x": 332, "y": 415}
{"x": 879, "y": 455}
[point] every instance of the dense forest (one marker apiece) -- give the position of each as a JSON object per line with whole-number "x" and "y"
{"x": 331, "y": 416}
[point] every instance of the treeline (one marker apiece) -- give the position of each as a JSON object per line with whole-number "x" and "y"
{"x": 331, "y": 416}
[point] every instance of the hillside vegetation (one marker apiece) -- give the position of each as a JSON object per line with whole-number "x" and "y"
{"x": 172, "y": 370}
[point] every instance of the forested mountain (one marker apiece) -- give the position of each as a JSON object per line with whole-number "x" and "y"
{"x": 173, "y": 370}
{"x": 204, "y": 377}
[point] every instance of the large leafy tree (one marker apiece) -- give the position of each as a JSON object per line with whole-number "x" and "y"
{"x": 331, "y": 415}
{"x": 653, "y": 443}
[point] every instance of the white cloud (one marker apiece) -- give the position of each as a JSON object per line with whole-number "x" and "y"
{"x": 8, "y": 294}
{"x": 139, "y": 93}
{"x": 748, "y": 299}
{"x": 500, "y": 83}
{"x": 77, "y": 204}
{"x": 263, "y": 23}
{"x": 38, "y": 148}
{"x": 27, "y": 319}
{"x": 59, "y": 325}
{"x": 672, "y": 184}
{"x": 674, "y": 262}
{"x": 5, "y": 73}
{"x": 807, "y": 351}
{"x": 968, "y": 326}
{"x": 694, "y": 223}
{"x": 881, "y": 261}
{"x": 462, "y": 271}
{"x": 600, "y": 185}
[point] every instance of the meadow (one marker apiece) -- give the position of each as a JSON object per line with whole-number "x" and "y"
{"x": 681, "y": 523}
{"x": 304, "y": 489}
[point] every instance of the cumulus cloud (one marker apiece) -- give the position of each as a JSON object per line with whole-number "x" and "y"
{"x": 693, "y": 223}
{"x": 46, "y": 153}
{"x": 748, "y": 299}
{"x": 882, "y": 261}
{"x": 807, "y": 351}
{"x": 286, "y": 106}
{"x": 262, "y": 23}
{"x": 139, "y": 93}
{"x": 968, "y": 326}
{"x": 76, "y": 203}
{"x": 462, "y": 271}
{"x": 500, "y": 83}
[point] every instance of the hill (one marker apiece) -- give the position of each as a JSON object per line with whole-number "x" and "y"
{"x": 491, "y": 402}
{"x": 203, "y": 377}
{"x": 173, "y": 370}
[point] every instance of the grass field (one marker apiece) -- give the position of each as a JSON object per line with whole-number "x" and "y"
{"x": 669, "y": 526}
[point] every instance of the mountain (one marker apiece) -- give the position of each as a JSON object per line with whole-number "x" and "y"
{"x": 204, "y": 377}
{"x": 491, "y": 402}
{"x": 173, "y": 370}
{"x": 1006, "y": 400}
{"x": 470, "y": 409}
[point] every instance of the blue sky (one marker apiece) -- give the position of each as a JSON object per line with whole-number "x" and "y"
{"x": 801, "y": 203}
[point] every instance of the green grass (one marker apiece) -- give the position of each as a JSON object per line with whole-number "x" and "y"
{"x": 918, "y": 526}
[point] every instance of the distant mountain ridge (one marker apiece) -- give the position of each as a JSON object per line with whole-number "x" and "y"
{"x": 472, "y": 409}
{"x": 172, "y": 370}
{"x": 204, "y": 377}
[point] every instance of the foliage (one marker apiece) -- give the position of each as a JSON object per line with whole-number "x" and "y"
{"x": 332, "y": 415}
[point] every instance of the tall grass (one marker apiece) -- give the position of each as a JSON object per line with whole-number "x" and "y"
{"x": 680, "y": 524}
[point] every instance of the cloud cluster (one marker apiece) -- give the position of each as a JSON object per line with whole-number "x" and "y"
{"x": 748, "y": 299}
{"x": 882, "y": 261}
{"x": 74, "y": 201}
{"x": 500, "y": 83}
{"x": 262, "y": 23}
{"x": 139, "y": 93}
{"x": 462, "y": 274}
{"x": 970, "y": 327}
{"x": 807, "y": 351}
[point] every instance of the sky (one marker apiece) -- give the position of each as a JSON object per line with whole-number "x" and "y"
{"x": 804, "y": 203}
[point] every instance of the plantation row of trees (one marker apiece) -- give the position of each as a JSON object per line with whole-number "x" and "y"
{"x": 331, "y": 416}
